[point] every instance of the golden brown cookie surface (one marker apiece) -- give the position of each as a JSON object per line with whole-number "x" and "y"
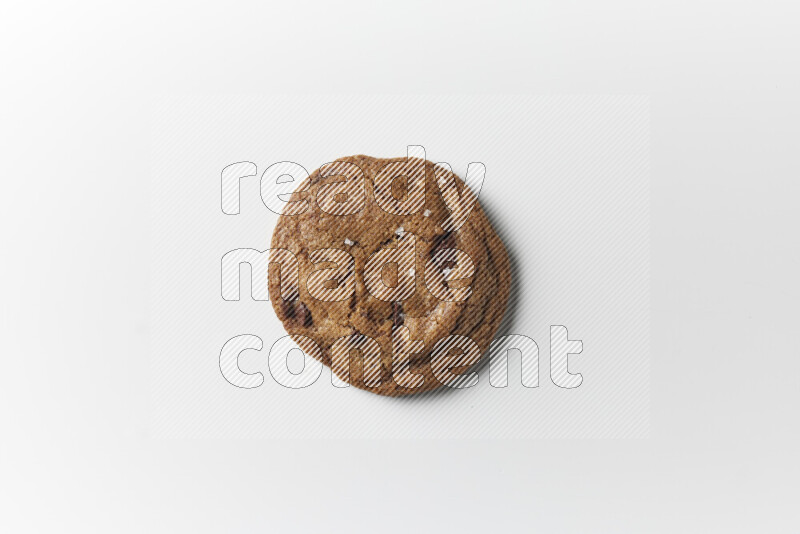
{"x": 337, "y": 299}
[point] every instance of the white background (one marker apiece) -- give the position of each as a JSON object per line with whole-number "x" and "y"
{"x": 78, "y": 81}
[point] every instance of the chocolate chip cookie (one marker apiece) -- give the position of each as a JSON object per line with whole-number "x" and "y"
{"x": 385, "y": 266}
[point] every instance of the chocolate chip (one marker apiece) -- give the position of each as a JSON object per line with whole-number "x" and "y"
{"x": 304, "y": 315}
{"x": 397, "y": 314}
{"x": 287, "y": 306}
{"x": 446, "y": 240}
{"x": 448, "y": 264}
{"x": 297, "y": 312}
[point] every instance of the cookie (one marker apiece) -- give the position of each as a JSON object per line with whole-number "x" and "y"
{"x": 377, "y": 261}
